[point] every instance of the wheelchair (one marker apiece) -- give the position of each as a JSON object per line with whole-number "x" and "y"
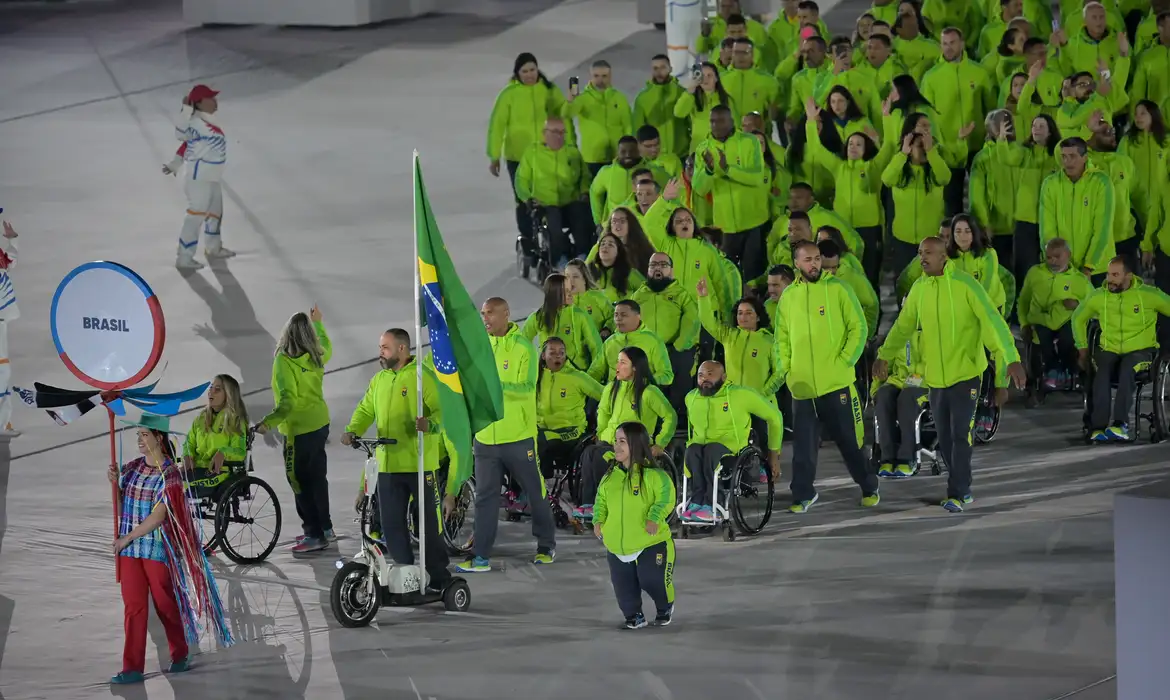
{"x": 737, "y": 487}
{"x": 1033, "y": 360}
{"x": 534, "y": 253}
{"x": 458, "y": 526}
{"x": 1150, "y": 397}
{"x": 565, "y": 490}
{"x": 864, "y": 372}
{"x": 232, "y": 504}
{"x": 983, "y": 431}
{"x": 926, "y": 449}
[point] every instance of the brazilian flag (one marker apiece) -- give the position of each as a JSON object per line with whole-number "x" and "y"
{"x": 470, "y": 395}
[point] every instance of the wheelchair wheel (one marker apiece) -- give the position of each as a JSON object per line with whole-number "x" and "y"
{"x": 667, "y": 464}
{"x": 521, "y": 260}
{"x": 751, "y": 499}
{"x": 203, "y": 511}
{"x": 247, "y": 520}
{"x": 1161, "y": 398}
{"x": 459, "y": 526}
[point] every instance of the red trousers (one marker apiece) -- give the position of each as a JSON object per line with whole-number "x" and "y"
{"x": 143, "y": 579}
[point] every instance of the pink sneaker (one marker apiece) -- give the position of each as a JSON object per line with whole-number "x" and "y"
{"x": 309, "y": 544}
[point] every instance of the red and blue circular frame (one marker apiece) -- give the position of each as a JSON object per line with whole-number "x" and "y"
{"x": 156, "y": 314}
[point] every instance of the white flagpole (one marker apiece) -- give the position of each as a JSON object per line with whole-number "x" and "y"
{"x": 420, "y": 501}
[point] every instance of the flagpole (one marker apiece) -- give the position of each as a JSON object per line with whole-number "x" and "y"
{"x": 421, "y": 502}
{"x": 115, "y": 493}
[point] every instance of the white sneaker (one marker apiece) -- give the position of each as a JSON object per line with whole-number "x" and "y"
{"x": 220, "y": 252}
{"x": 185, "y": 263}
{"x": 9, "y": 433}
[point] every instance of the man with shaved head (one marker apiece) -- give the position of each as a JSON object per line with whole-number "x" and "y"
{"x": 509, "y": 444}
{"x": 554, "y": 176}
{"x": 820, "y": 336}
{"x": 954, "y": 320}
{"x": 719, "y": 418}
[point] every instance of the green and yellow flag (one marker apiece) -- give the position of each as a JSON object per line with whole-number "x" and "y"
{"x": 470, "y": 395}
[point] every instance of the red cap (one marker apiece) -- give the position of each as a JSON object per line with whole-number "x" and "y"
{"x": 200, "y": 92}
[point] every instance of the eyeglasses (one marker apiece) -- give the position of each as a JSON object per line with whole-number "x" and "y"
{"x": 660, "y": 264}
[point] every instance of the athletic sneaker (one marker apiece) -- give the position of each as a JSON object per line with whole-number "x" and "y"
{"x": 545, "y": 556}
{"x": 309, "y": 544}
{"x": 955, "y": 505}
{"x": 1099, "y": 436}
{"x": 871, "y": 500}
{"x": 127, "y": 677}
{"x": 801, "y": 507}
{"x": 664, "y": 617}
{"x": 1052, "y": 380}
{"x": 474, "y": 565}
{"x": 1118, "y": 432}
{"x": 636, "y": 622}
{"x": 584, "y": 512}
{"x": 330, "y": 536}
{"x": 180, "y": 666}
{"x": 886, "y": 470}
{"x": 702, "y": 514}
{"x": 903, "y": 471}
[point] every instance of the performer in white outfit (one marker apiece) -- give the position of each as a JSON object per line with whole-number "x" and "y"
{"x": 204, "y": 151}
{"x": 8, "y": 312}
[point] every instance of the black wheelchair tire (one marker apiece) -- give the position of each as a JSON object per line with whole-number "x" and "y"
{"x": 521, "y": 261}
{"x": 451, "y": 526}
{"x": 223, "y": 510}
{"x": 667, "y": 465}
{"x": 750, "y": 460}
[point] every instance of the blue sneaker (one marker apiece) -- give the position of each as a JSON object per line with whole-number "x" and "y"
{"x": 703, "y": 514}
{"x": 636, "y": 622}
{"x": 664, "y": 617}
{"x": 1118, "y": 432}
{"x": 474, "y": 565}
{"x": 955, "y": 505}
{"x": 1099, "y": 436}
{"x": 127, "y": 677}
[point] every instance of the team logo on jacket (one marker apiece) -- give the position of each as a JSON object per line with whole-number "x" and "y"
{"x": 1086, "y": 201}
{"x": 974, "y": 394}
{"x": 726, "y": 407}
{"x": 1137, "y": 309}
{"x": 505, "y": 364}
{"x": 404, "y": 391}
{"x": 844, "y": 398}
{"x": 1066, "y": 287}
{"x": 564, "y": 393}
{"x": 696, "y": 264}
{"x": 821, "y": 310}
{"x": 589, "y": 310}
{"x": 755, "y": 352}
{"x": 531, "y": 456}
{"x": 658, "y": 559}
{"x": 567, "y": 330}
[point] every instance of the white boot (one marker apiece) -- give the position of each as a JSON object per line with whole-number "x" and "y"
{"x": 185, "y": 262}
{"x": 219, "y": 252}
{"x": 9, "y": 432}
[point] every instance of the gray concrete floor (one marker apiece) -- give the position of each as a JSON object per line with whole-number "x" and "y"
{"x": 1013, "y": 600}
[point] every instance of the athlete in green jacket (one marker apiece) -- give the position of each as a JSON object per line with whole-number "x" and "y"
{"x": 613, "y": 183}
{"x": 958, "y": 326}
{"x": 603, "y": 116}
{"x": 654, "y": 106}
{"x": 748, "y": 347}
{"x": 569, "y": 323}
{"x": 819, "y": 341}
{"x": 218, "y": 437}
{"x": 669, "y": 311}
{"x": 509, "y": 443}
{"x": 627, "y": 318}
{"x": 391, "y": 405}
{"x": 561, "y": 394}
{"x": 751, "y": 89}
{"x": 720, "y": 417}
{"x": 1127, "y": 312}
{"x": 1076, "y": 204}
{"x": 854, "y": 277}
{"x": 634, "y": 501}
{"x": 1052, "y": 291}
{"x": 552, "y": 177}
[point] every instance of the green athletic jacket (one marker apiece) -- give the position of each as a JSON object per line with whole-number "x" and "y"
{"x": 1128, "y": 319}
{"x": 603, "y": 117}
{"x": 694, "y": 258}
{"x": 613, "y": 411}
{"x": 726, "y": 418}
{"x": 964, "y": 92}
{"x": 739, "y": 194}
{"x": 907, "y": 364}
{"x": 1151, "y": 79}
{"x": 917, "y": 210}
{"x": 808, "y": 83}
{"x": 627, "y": 501}
{"x": 1123, "y": 176}
{"x": 1151, "y": 162}
{"x": 866, "y": 296}
{"x": 296, "y": 391}
{"x": 518, "y": 117}
{"x": 654, "y": 105}
{"x": 779, "y": 251}
{"x": 560, "y": 402}
{"x": 202, "y": 443}
{"x": 1082, "y": 52}
{"x": 604, "y": 370}
{"x": 819, "y": 337}
{"x": 597, "y": 307}
{"x": 1081, "y": 213}
{"x": 752, "y": 90}
{"x": 700, "y": 119}
{"x": 517, "y": 364}
{"x": 749, "y": 356}
{"x": 612, "y": 186}
{"x": 1044, "y": 292}
{"x": 1036, "y": 164}
{"x": 1158, "y": 229}
{"x": 552, "y": 178}
{"x": 858, "y": 201}
{"x": 985, "y": 270}
{"x": 582, "y": 340}
{"x": 671, "y": 314}
{"x": 995, "y": 180}
{"x": 390, "y": 404}
{"x": 957, "y": 321}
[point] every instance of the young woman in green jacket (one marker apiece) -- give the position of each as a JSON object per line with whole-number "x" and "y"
{"x": 558, "y": 316}
{"x": 302, "y": 417}
{"x": 1039, "y": 159}
{"x": 632, "y": 396}
{"x": 615, "y": 276}
{"x": 1146, "y": 144}
{"x": 634, "y": 500}
{"x": 218, "y": 437}
{"x": 917, "y": 177}
{"x": 561, "y": 394}
{"x": 588, "y": 298}
{"x": 696, "y": 103}
{"x": 970, "y": 251}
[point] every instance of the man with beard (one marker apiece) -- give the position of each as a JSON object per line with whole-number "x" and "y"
{"x": 820, "y": 336}
{"x": 719, "y": 424}
{"x": 1128, "y": 311}
{"x": 671, "y": 313}
{"x": 1122, "y": 173}
{"x": 654, "y": 106}
{"x": 1076, "y": 204}
{"x": 615, "y": 182}
{"x": 391, "y": 404}
{"x": 954, "y": 319}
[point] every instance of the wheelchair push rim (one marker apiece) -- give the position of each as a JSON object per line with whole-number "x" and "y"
{"x": 751, "y": 500}
{"x": 248, "y": 520}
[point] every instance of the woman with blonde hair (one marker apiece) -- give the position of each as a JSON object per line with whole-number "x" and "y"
{"x": 302, "y": 417}
{"x": 218, "y": 436}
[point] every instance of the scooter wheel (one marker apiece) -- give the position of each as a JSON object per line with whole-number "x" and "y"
{"x": 457, "y": 597}
{"x": 352, "y": 603}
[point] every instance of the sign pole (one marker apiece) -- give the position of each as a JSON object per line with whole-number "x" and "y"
{"x": 420, "y": 500}
{"x": 115, "y": 494}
